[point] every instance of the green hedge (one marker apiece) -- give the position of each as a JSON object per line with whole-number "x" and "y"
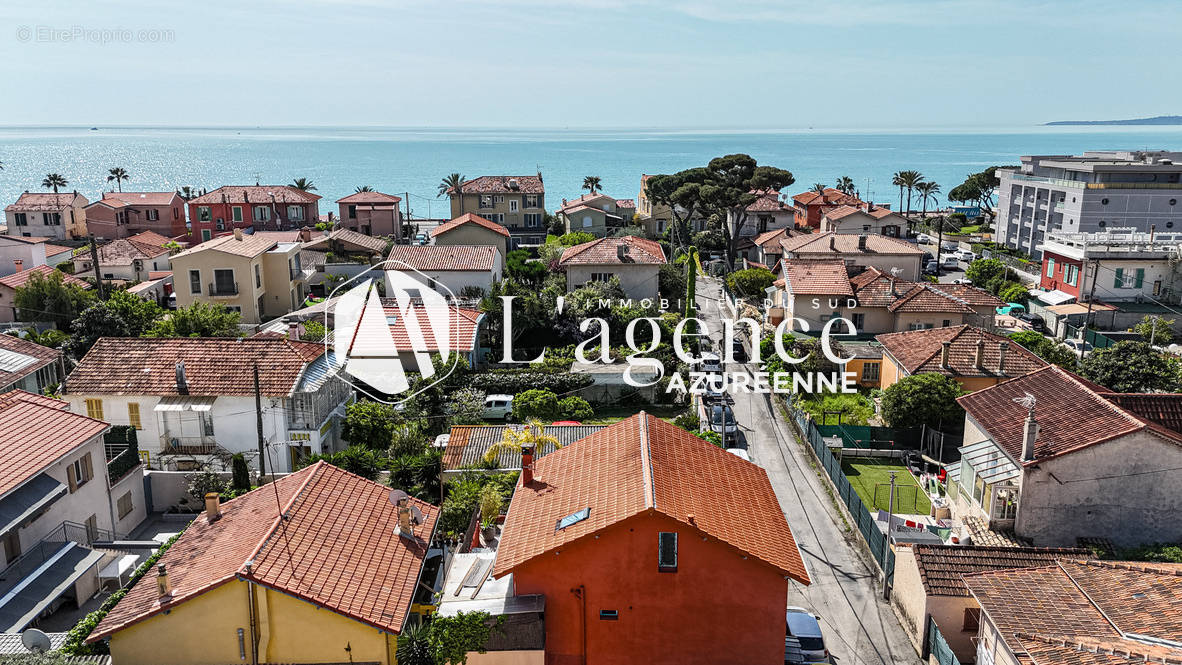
{"x": 75, "y": 644}
{"x": 511, "y": 382}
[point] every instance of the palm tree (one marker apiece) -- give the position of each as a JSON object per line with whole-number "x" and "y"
{"x": 119, "y": 175}
{"x": 533, "y": 434}
{"x": 897, "y": 180}
{"x": 818, "y": 188}
{"x": 363, "y": 188}
{"x": 453, "y": 183}
{"x": 54, "y": 181}
{"x": 909, "y": 179}
{"x": 303, "y": 184}
{"x": 845, "y": 185}
{"x": 927, "y": 192}
{"x": 591, "y": 183}
{"x": 187, "y": 193}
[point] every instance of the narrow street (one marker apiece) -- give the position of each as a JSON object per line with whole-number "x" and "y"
{"x": 859, "y": 627}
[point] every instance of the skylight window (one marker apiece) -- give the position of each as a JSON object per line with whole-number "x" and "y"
{"x": 572, "y": 519}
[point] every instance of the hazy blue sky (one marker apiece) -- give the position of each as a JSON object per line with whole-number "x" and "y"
{"x": 590, "y": 63}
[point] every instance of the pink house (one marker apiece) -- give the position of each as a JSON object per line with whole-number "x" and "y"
{"x": 371, "y": 213}
{"x": 123, "y": 214}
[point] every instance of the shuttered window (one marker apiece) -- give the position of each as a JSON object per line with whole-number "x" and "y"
{"x": 1140, "y": 278}
{"x": 1119, "y": 281}
{"x": 133, "y": 415}
{"x": 94, "y": 408}
{"x": 667, "y": 552}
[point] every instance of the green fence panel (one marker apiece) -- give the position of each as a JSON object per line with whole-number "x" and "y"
{"x": 939, "y": 646}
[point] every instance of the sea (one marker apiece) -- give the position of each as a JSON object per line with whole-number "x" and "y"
{"x": 410, "y": 162}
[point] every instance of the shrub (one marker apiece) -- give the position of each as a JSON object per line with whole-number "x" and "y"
{"x": 490, "y": 505}
{"x": 538, "y": 403}
{"x": 463, "y": 498}
{"x": 241, "y": 476}
{"x": 417, "y": 475}
{"x": 204, "y": 482}
{"x": 354, "y": 459}
{"x": 923, "y": 399}
{"x": 511, "y": 382}
{"x": 711, "y": 436}
{"x": 688, "y": 420}
{"x": 370, "y": 424}
{"x": 1013, "y": 292}
{"x": 574, "y": 408}
{"x": 750, "y": 283}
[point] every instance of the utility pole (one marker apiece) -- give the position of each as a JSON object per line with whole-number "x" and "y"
{"x": 407, "y": 199}
{"x": 886, "y": 545}
{"x": 1153, "y": 330}
{"x": 1083, "y": 348}
{"x": 258, "y": 411}
{"x": 98, "y": 276}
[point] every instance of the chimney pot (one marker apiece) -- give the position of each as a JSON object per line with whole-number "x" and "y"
{"x": 862, "y": 242}
{"x": 946, "y": 346}
{"x": 980, "y": 358}
{"x": 1029, "y": 435}
{"x": 1002, "y": 346}
{"x": 527, "y": 465}
{"x": 163, "y": 588}
{"x": 182, "y": 386}
{"x": 19, "y": 264}
{"x": 293, "y": 331}
{"x": 213, "y": 506}
{"x": 405, "y": 528}
{"x": 833, "y": 242}
{"x": 238, "y": 234}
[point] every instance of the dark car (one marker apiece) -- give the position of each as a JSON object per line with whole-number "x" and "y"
{"x": 739, "y": 351}
{"x": 1033, "y": 320}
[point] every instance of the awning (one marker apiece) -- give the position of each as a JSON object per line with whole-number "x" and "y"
{"x": 1055, "y": 297}
{"x": 28, "y": 500}
{"x": 989, "y": 462}
{"x": 22, "y": 602}
{"x": 184, "y": 403}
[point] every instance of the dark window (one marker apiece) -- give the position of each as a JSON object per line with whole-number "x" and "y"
{"x": 194, "y": 281}
{"x": 972, "y": 619}
{"x": 1173, "y": 201}
{"x": 1169, "y": 225}
{"x": 667, "y": 552}
{"x": 352, "y": 212}
{"x": 1103, "y": 224}
{"x": 1103, "y": 202}
{"x": 609, "y": 615}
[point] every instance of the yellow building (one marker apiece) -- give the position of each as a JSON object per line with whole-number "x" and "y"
{"x": 333, "y": 582}
{"x": 516, "y": 202}
{"x": 976, "y": 358}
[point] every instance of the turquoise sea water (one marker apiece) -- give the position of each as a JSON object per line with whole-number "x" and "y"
{"x": 414, "y": 160}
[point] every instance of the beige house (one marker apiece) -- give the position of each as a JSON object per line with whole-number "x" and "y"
{"x": 54, "y": 216}
{"x": 1054, "y": 458}
{"x": 472, "y": 230}
{"x": 636, "y": 262}
{"x": 130, "y": 259}
{"x": 516, "y": 202}
{"x": 449, "y": 269}
{"x": 871, "y": 251}
{"x": 865, "y": 218}
{"x": 767, "y": 213}
{"x": 656, "y": 217}
{"x": 597, "y": 214}
{"x": 257, "y": 275}
{"x": 928, "y": 588}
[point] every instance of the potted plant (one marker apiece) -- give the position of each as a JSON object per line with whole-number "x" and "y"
{"x": 490, "y": 510}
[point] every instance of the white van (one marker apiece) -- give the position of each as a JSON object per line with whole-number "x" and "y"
{"x": 497, "y": 407}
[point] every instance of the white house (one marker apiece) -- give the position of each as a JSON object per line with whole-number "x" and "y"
{"x": 56, "y": 500}
{"x": 193, "y": 399}
{"x": 18, "y": 253}
{"x": 866, "y": 218}
{"x": 47, "y": 215}
{"x": 767, "y": 213}
{"x": 456, "y": 267}
{"x": 130, "y": 259}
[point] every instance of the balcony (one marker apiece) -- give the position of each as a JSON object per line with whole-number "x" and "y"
{"x": 223, "y": 290}
{"x": 189, "y": 445}
{"x": 302, "y": 273}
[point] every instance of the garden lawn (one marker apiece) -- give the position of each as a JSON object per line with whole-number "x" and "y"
{"x": 865, "y": 473}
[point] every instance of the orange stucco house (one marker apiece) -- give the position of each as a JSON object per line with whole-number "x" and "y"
{"x": 651, "y": 545}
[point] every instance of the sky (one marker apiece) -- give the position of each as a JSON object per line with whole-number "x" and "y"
{"x": 744, "y": 64}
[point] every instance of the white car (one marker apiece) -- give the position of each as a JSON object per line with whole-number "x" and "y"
{"x": 965, "y": 255}
{"x": 1078, "y": 346}
{"x": 497, "y": 407}
{"x": 711, "y": 363}
{"x": 924, "y": 239}
{"x": 962, "y": 280}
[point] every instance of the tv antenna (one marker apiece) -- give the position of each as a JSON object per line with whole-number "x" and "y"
{"x": 35, "y": 641}
{"x": 1027, "y": 401}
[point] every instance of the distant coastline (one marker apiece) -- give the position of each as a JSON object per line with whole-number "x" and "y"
{"x": 1155, "y": 120}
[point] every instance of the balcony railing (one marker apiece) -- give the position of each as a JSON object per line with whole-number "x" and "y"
{"x": 189, "y": 445}
{"x": 216, "y": 289}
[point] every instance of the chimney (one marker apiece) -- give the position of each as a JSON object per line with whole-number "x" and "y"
{"x": 163, "y": 588}
{"x": 894, "y": 291}
{"x": 1029, "y": 434}
{"x": 305, "y": 234}
{"x": 20, "y": 264}
{"x": 1152, "y": 230}
{"x": 182, "y": 386}
{"x": 527, "y": 465}
{"x": 980, "y": 358}
{"x": 1002, "y": 346}
{"x": 213, "y": 506}
{"x": 946, "y": 346}
{"x": 862, "y": 243}
{"x": 238, "y": 234}
{"x": 833, "y": 242}
{"x": 405, "y": 528}
{"x": 622, "y": 251}
{"x": 293, "y": 331}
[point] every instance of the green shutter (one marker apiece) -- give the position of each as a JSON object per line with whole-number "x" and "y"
{"x": 1140, "y": 278}
{"x": 1119, "y": 282}
{"x": 1050, "y": 267}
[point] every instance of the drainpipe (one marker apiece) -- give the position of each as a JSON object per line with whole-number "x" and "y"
{"x": 251, "y": 610}
{"x": 580, "y": 592}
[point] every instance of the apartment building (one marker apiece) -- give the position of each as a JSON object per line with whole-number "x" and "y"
{"x": 261, "y": 207}
{"x": 515, "y": 202}
{"x": 1088, "y": 193}
{"x": 1125, "y": 264}
{"x": 371, "y": 213}
{"x": 863, "y": 218}
{"x": 52, "y": 216}
{"x": 123, "y": 214}
{"x": 254, "y": 274}
{"x": 192, "y": 400}
{"x": 767, "y": 213}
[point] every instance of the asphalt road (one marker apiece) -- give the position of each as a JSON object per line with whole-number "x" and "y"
{"x": 859, "y": 627}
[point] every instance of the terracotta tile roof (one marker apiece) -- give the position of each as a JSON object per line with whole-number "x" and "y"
{"x": 336, "y": 549}
{"x": 123, "y": 199}
{"x": 349, "y": 239}
{"x": 1162, "y": 409}
{"x": 831, "y": 196}
{"x": 603, "y": 251}
{"x": 625, "y": 203}
{"x": 123, "y": 252}
{"x": 970, "y": 294}
{"x": 768, "y": 201}
{"x": 846, "y": 243}
{"x": 771, "y": 239}
{"x": 251, "y": 245}
{"x": 47, "y": 202}
{"x": 919, "y": 352}
{"x": 480, "y": 258}
{"x": 1072, "y": 413}
{"x": 499, "y": 184}
{"x": 581, "y": 207}
{"x": 255, "y": 194}
{"x": 941, "y": 566}
{"x": 757, "y": 264}
{"x": 159, "y": 274}
{"x": 468, "y": 444}
{"x": 37, "y": 357}
{"x": 36, "y": 431}
{"x": 585, "y": 200}
{"x": 464, "y": 325}
{"x": 150, "y": 238}
{"x": 370, "y": 197}
{"x": 213, "y": 366}
{"x": 469, "y": 218}
{"x": 876, "y": 289}
{"x": 823, "y": 277}
{"x": 19, "y": 279}
{"x": 1061, "y": 650}
{"x": 645, "y": 464}
{"x": 53, "y": 250}
{"x": 879, "y": 213}
{"x": 981, "y": 534}
{"x": 920, "y": 298}
{"x": 841, "y": 212}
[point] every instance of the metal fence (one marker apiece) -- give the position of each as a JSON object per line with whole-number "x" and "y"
{"x": 938, "y": 646}
{"x": 867, "y": 436}
{"x": 863, "y": 518}
{"x": 1097, "y": 339}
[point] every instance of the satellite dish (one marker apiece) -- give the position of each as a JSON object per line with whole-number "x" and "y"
{"x": 416, "y": 515}
{"x": 35, "y": 641}
{"x": 398, "y": 496}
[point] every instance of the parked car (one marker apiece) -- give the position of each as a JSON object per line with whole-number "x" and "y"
{"x": 1079, "y": 346}
{"x": 949, "y": 246}
{"x": 1034, "y": 321}
{"x": 739, "y": 351}
{"x": 740, "y": 453}
{"x": 949, "y": 262}
{"x": 962, "y": 280}
{"x": 713, "y": 393}
{"x": 497, "y": 407}
{"x": 1011, "y": 309}
{"x": 711, "y": 363}
{"x": 965, "y": 255}
{"x": 805, "y": 627}
{"x": 722, "y": 421}
{"x": 931, "y": 268}
{"x": 420, "y": 238}
{"x": 924, "y": 239}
